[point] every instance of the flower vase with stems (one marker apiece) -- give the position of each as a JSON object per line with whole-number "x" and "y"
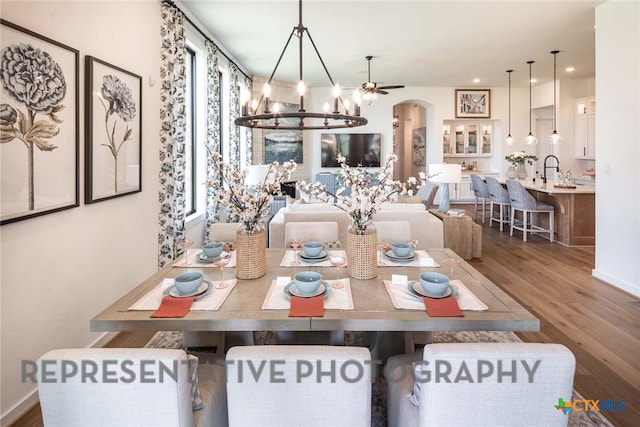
{"x": 522, "y": 171}
{"x": 251, "y": 251}
{"x": 250, "y": 207}
{"x": 362, "y": 251}
{"x": 369, "y": 189}
{"x": 518, "y": 160}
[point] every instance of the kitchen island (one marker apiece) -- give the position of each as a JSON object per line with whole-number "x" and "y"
{"x": 575, "y": 211}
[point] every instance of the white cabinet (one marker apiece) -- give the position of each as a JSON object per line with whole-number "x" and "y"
{"x": 463, "y": 138}
{"x": 585, "y": 128}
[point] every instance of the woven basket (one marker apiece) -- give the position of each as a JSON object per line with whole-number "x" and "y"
{"x": 251, "y": 254}
{"x": 362, "y": 254}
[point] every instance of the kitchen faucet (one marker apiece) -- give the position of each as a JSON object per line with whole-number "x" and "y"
{"x": 544, "y": 172}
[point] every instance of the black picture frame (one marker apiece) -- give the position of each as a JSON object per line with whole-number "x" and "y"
{"x": 284, "y": 145}
{"x": 44, "y": 178}
{"x": 113, "y": 127}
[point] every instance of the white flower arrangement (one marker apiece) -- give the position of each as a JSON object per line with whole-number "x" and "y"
{"x": 520, "y": 157}
{"x": 249, "y": 206}
{"x": 369, "y": 191}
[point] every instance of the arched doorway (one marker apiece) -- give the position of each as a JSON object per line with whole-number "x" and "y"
{"x": 410, "y": 140}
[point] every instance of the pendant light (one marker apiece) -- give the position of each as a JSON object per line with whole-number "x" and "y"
{"x": 555, "y": 137}
{"x": 510, "y": 140}
{"x": 530, "y": 139}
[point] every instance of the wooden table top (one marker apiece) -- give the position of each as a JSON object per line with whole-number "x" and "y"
{"x": 242, "y": 310}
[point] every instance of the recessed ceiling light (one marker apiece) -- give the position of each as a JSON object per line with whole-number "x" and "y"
{"x": 570, "y": 69}
{"x": 476, "y": 80}
{"x": 534, "y": 80}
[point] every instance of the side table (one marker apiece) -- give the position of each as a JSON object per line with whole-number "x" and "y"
{"x": 461, "y": 234}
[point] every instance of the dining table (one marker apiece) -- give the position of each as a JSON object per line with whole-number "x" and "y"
{"x": 360, "y": 305}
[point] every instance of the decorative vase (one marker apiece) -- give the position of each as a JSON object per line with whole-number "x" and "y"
{"x": 511, "y": 172}
{"x": 362, "y": 251}
{"x": 522, "y": 170}
{"x": 251, "y": 252}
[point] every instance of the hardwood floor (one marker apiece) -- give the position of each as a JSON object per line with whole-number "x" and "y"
{"x": 599, "y": 323}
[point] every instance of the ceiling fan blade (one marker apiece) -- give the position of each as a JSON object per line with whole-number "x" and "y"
{"x": 391, "y": 87}
{"x": 382, "y": 92}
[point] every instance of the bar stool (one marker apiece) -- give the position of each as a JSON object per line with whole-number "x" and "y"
{"x": 481, "y": 191}
{"x": 522, "y": 200}
{"x": 498, "y": 195}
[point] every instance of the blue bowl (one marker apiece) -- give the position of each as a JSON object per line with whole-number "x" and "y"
{"x": 187, "y": 283}
{"x": 307, "y": 282}
{"x": 213, "y": 249}
{"x": 401, "y": 249}
{"x": 312, "y": 249}
{"x": 435, "y": 284}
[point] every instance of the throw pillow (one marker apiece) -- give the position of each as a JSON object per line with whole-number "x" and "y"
{"x": 196, "y": 398}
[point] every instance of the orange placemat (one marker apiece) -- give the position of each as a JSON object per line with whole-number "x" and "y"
{"x": 442, "y": 307}
{"x": 174, "y": 307}
{"x": 307, "y": 307}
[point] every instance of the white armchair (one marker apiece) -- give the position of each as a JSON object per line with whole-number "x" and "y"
{"x": 496, "y": 400}
{"x": 289, "y": 392}
{"x": 127, "y": 387}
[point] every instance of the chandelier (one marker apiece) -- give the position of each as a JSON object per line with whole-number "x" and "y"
{"x": 266, "y": 114}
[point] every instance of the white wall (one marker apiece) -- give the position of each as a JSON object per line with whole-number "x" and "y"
{"x": 617, "y": 144}
{"x": 61, "y": 269}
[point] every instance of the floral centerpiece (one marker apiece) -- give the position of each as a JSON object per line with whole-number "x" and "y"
{"x": 520, "y": 157}
{"x": 368, "y": 191}
{"x": 249, "y": 206}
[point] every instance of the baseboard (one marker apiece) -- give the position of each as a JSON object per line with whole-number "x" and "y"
{"x": 20, "y": 408}
{"x": 620, "y": 284}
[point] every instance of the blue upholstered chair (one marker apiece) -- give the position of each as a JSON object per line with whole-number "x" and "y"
{"x": 498, "y": 196}
{"x": 481, "y": 191}
{"x": 522, "y": 200}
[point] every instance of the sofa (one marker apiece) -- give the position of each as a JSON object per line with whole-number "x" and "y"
{"x": 425, "y": 227}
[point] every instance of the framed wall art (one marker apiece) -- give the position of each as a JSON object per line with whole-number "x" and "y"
{"x": 473, "y": 103}
{"x": 284, "y": 145}
{"x": 39, "y": 124}
{"x": 113, "y": 151}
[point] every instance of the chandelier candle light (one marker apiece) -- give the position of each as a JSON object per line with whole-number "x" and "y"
{"x": 272, "y": 119}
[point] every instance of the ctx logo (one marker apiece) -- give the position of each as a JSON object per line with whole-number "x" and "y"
{"x": 590, "y": 405}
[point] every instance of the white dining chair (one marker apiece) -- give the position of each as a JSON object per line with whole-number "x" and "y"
{"x": 321, "y": 231}
{"x": 393, "y": 231}
{"x": 313, "y": 386}
{"x": 520, "y": 385}
{"x": 115, "y": 387}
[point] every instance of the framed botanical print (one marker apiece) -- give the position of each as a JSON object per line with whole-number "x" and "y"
{"x": 473, "y": 103}
{"x": 39, "y": 127}
{"x": 113, "y": 151}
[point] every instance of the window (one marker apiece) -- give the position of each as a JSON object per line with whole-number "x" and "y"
{"x": 190, "y": 148}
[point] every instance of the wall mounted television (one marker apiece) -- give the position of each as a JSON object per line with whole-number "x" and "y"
{"x": 359, "y": 149}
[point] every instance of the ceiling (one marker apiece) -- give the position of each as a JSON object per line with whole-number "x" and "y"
{"x": 415, "y": 43}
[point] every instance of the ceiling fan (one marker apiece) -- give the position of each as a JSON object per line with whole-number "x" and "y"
{"x": 371, "y": 89}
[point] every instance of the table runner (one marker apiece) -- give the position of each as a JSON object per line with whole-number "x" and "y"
{"x": 424, "y": 260}
{"x": 290, "y": 254}
{"x": 196, "y": 264}
{"x": 338, "y": 299}
{"x": 403, "y": 299}
{"x": 213, "y": 301}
